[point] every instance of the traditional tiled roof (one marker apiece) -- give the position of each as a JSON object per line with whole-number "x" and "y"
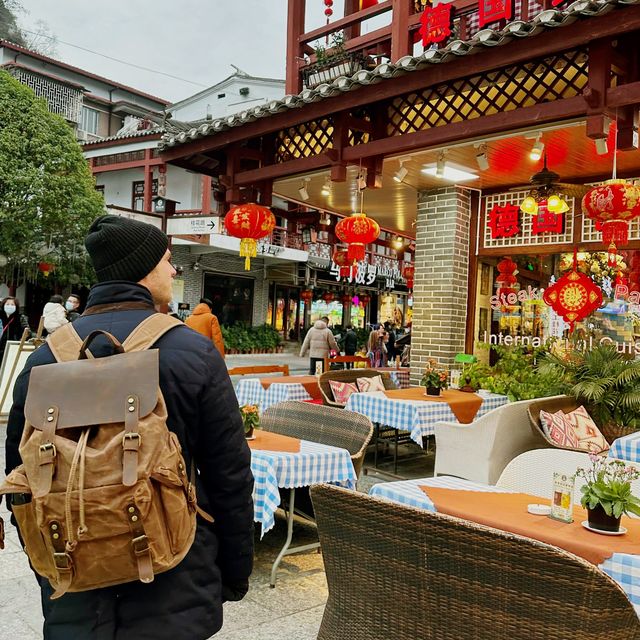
{"x": 548, "y": 19}
{"x": 170, "y": 127}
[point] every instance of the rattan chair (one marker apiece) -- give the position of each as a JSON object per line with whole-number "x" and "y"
{"x": 349, "y": 375}
{"x": 326, "y": 425}
{"x": 566, "y": 404}
{"x": 407, "y": 574}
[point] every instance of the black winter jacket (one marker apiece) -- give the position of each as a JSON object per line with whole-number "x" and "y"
{"x": 350, "y": 342}
{"x": 184, "y": 603}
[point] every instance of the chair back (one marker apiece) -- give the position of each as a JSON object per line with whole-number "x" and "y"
{"x": 326, "y": 425}
{"x": 349, "y": 375}
{"x": 343, "y": 359}
{"x": 403, "y": 573}
{"x": 566, "y": 404}
{"x": 245, "y": 371}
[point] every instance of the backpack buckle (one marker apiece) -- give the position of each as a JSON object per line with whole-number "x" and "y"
{"x": 128, "y": 438}
{"x": 62, "y": 561}
{"x": 140, "y": 545}
{"x": 47, "y": 449}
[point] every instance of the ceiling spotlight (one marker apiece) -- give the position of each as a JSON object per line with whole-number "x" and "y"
{"x": 402, "y": 172}
{"x": 449, "y": 172}
{"x": 601, "y": 146}
{"x": 538, "y": 147}
{"x": 481, "y": 157}
{"x": 326, "y": 187}
{"x": 304, "y": 194}
{"x": 397, "y": 243}
{"x": 441, "y": 165}
{"x": 325, "y": 219}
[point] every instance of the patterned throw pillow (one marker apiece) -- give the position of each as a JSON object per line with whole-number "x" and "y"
{"x": 590, "y": 438}
{"x": 560, "y": 430}
{"x": 370, "y": 384}
{"x": 342, "y": 390}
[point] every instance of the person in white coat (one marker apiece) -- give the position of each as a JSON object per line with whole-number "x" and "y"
{"x": 318, "y": 342}
{"x": 55, "y": 315}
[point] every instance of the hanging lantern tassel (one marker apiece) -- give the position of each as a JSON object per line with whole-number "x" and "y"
{"x": 248, "y": 250}
{"x": 356, "y": 252}
{"x": 614, "y": 231}
{"x": 612, "y": 255}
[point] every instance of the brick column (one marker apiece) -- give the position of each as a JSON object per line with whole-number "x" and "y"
{"x": 441, "y": 277}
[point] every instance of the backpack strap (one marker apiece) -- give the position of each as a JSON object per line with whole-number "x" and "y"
{"x": 149, "y": 331}
{"x": 65, "y": 344}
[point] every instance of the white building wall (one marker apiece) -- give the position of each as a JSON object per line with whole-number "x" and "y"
{"x": 118, "y": 185}
{"x": 185, "y": 187}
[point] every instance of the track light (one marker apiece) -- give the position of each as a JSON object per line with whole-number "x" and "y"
{"x": 538, "y": 147}
{"x": 304, "y": 194}
{"x": 601, "y": 146}
{"x": 397, "y": 243}
{"x": 402, "y": 172}
{"x": 326, "y": 187}
{"x": 362, "y": 181}
{"x": 482, "y": 158}
{"x": 441, "y": 165}
{"x": 325, "y": 219}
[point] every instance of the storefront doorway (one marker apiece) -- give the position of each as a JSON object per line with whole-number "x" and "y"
{"x": 232, "y": 298}
{"x": 285, "y": 311}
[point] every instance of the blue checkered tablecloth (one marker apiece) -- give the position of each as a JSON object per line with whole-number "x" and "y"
{"x": 313, "y": 464}
{"x": 418, "y": 417}
{"x": 626, "y": 448}
{"x": 251, "y": 391}
{"x": 622, "y": 567}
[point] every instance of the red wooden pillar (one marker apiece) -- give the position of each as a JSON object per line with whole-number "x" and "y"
{"x": 295, "y": 28}
{"x": 400, "y": 37}
{"x": 148, "y": 180}
{"x": 206, "y": 195}
{"x": 350, "y": 7}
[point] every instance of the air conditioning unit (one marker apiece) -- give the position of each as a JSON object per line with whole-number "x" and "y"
{"x": 81, "y": 135}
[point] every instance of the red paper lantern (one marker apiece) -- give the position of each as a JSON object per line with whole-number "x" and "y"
{"x": 507, "y": 270}
{"x": 357, "y": 231}
{"x": 345, "y": 299}
{"x": 249, "y": 222}
{"x": 328, "y": 297}
{"x": 306, "y": 295}
{"x": 573, "y": 297}
{"x": 612, "y": 205}
{"x": 341, "y": 258}
{"x": 46, "y": 268}
{"x": 407, "y": 273}
{"x": 365, "y": 299}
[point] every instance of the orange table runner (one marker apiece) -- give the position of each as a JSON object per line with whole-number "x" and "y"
{"x": 508, "y": 512}
{"x": 310, "y": 383}
{"x": 464, "y": 405}
{"x": 268, "y": 441}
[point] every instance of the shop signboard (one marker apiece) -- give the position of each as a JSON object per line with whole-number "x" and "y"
{"x": 192, "y": 225}
{"x": 366, "y": 274}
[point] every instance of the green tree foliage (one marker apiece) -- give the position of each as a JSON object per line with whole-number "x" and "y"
{"x": 9, "y": 29}
{"x": 47, "y": 193}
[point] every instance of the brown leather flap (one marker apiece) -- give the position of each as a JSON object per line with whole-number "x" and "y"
{"x": 95, "y": 391}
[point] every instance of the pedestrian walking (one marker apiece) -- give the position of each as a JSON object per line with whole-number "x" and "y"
{"x": 134, "y": 271}
{"x": 391, "y": 343}
{"x": 55, "y": 315}
{"x": 12, "y": 322}
{"x": 205, "y": 322}
{"x": 350, "y": 344}
{"x": 376, "y": 348}
{"x": 318, "y": 342}
{"x": 72, "y": 305}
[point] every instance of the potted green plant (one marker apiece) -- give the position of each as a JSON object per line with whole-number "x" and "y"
{"x": 250, "y": 419}
{"x": 606, "y": 494}
{"x": 434, "y": 378}
{"x": 332, "y": 63}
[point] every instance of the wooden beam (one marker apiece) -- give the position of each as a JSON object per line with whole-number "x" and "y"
{"x": 148, "y": 177}
{"x": 120, "y": 166}
{"x": 401, "y": 43}
{"x": 623, "y": 95}
{"x": 295, "y": 26}
{"x": 551, "y": 41}
{"x": 274, "y": 171}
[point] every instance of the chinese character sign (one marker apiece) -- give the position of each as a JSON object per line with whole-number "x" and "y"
{"x": 435, "y": 24}
{"x": 494, "y": 10}
{"x": 504, "y": 221}
{"x": 546, "y": 222}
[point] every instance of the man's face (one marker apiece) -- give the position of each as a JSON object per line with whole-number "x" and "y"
{"x": 159, "y": 281}
{"x": 72, "y": 300}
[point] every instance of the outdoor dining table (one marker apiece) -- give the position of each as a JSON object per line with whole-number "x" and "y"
{"x": 280, "y": 462}
{"x": 270, "y": 390}
{"x": 623, "y": 567}
{"x": 626, "y": 448}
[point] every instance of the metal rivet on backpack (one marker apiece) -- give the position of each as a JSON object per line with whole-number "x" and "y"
{"x": 131, "y": 400}
{"x": 56, "y": 536}
{"x": 54, "y": 527}
{"x": 132, "y": 509}
{"x": 134, "y": 518}
{"x": 50, "y": 419}
{"x": 132, "y": 408}
{"x": 50, "y": 410}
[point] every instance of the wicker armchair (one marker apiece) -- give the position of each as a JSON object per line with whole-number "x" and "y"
{"x": 403, "y": 573}
{"x": 566, "y": 404}
{"x": 326, "y": 425}
{"x": 349, "y": 375}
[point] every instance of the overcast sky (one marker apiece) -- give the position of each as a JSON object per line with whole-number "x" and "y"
{"x": 195, "y": 40}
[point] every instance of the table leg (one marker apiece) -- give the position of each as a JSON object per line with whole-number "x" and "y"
{"x": 395, "y": 452}
{"x": 287, "y": 550}
{"x": 376, "y": 435}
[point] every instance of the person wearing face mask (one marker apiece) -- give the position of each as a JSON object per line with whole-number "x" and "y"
{"x": 72, "y": 305}
{"x": 12, "y": 322}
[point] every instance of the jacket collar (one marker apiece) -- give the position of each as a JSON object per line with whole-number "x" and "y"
{"x": 116, "y": 291}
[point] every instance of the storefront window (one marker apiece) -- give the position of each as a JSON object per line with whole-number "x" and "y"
{"x": 232, "y": 297}
{"x": 392, "y": 309}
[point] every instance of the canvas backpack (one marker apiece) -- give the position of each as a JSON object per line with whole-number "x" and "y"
{"x": 103, "y": 494}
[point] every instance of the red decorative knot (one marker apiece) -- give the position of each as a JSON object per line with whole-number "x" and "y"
{"x": 408, "y": 273}
{"x": 357, "y": 231}
{"x": 507, "y": 270}
{"x": 345, "y": 299}
{"x": 328, "y": 297}
{"x": 365, "y": 299}
{"x": 306, "y": 295}
{"x": 249, "y": 222}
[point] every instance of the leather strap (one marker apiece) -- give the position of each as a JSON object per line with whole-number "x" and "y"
{"x": 149, "y": 331}
{"x": 131, "y": 441}
{"x": 140, "y": 544}
{"x": 117, "y": 306}
{"x": 61, "y": 559}
{"x": 47, "y": 454}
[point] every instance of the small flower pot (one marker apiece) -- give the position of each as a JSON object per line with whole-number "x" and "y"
{"x": 598, "y": 519}
{"x": 248, "y": 434}
{"x": 433, "y": 391}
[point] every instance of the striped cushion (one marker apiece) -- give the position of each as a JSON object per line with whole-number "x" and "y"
{"x": 342, "y": 390}
{"x": 374, "y": 383}
{"x": 559, "y": 429}
{"x": 589, "y": 436}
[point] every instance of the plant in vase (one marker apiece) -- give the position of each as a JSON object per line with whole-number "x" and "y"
{"x": 606, "y": 494}
{"x": 250, "y": 419}
{"x": 434, "y": 378}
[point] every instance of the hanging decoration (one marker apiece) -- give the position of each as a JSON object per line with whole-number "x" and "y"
{"x": 328, "y": 297}
{"x": 328, "y": 11}
{"x": 355, "y": 300}
{"x": 249, "y": 222}
{"x": 634, "y": 274}
{"x": 341, "y": 258}
{"x": 46, "y": 268}
{"x": 357, "y": 231}
{"x": 408, "y": 273}
{"x": 574, "y": 296}
{"x": 345, "y": 299}
{"x": 507, "y": 270}
{"x": 306, "y": 295}
{"x": 365, "y": 299}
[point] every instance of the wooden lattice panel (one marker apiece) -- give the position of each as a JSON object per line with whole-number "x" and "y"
{"x": 526, "y": 237}
{"x": 304, "y": 140}
{"x": 545, "y": 80}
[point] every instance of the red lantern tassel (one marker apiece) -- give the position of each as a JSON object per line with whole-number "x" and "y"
{"x": 356, "y": 252}
{"x": 615, "y": 231}
{"x": 248, "y": 250}
{"x": 613, "y": 253}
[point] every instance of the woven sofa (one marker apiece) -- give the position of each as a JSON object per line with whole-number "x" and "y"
{"x": 349, "y": 375}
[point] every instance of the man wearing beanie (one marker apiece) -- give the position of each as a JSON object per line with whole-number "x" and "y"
{"x": 134, "y": 271}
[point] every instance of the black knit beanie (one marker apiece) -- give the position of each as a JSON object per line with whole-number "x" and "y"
{"x": 124, "y": 249}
